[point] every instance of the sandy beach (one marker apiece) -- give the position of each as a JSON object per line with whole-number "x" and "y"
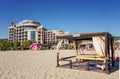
{"x": 42, "y": 65}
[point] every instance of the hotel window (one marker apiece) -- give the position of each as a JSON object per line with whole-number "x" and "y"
{"x": 32, "y": 35}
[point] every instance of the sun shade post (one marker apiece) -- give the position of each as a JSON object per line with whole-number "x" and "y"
{"x": 57, "y": 59}
{"x": 108, "y": 47}
{"x": 106, "y": 54}
{"x": 58, "y": 47}
{"x": 76, "y": 46}
{"x": 112, "y": 52}
{"x": 76, "y": 42}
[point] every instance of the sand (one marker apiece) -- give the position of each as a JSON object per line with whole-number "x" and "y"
{"x": 42, "y": 65}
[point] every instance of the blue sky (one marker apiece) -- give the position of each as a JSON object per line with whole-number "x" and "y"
{"x": 75, "y": 16}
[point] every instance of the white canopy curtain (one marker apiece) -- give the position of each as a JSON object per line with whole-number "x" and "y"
{"x": 75, "y": 44}
{"x": 99, "y": 45}
{"x": 59, "y": 44}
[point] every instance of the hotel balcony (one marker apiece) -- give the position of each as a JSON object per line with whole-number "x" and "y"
{"x": 39, "y": 31}
{"x": 39, "y": 35}
{"x": 19, "y": 28}
{"x": 18, "y": 34}
{"x": 25, "y": 32}
{"x": 25, "y": 39}
{"x": 22, "y": 30}
{"x": 11, "y": 31}
{"x": 10, "y": 39}
{"x": 19, "y": 31}
{"x": 11, "y": 36}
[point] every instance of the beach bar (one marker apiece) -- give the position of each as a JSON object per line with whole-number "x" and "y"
{"x": 102, "y": 43}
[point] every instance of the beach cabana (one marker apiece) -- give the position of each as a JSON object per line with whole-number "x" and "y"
{"x": 103, "y": 45}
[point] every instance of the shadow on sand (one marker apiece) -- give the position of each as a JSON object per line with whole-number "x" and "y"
{"x": 92, "y": 67}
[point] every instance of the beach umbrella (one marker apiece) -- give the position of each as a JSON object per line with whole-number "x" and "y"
{"x": 35, "y": 46}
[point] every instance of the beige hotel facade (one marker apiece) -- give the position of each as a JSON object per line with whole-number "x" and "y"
{"x": 32, "y": 30}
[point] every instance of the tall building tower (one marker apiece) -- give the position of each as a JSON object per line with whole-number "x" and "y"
{"x": 26, "y": 30}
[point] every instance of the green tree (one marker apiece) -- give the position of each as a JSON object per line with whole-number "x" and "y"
{"x": 26, "y": 44}
{"x": 5, "y": 45}
{"x": 16, "y": 44}
{"x": 0, "y": 43}
{"x": 29, "y": 42}
{"x": 11, "y": 44}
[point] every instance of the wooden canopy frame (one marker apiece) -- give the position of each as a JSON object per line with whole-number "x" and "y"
{"x": 109, "y": 50}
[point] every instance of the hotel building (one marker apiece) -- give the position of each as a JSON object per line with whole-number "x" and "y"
{"x": 26, "y": 30}
{"x": 32, "y": 30}
{"x": 51, "y": 36}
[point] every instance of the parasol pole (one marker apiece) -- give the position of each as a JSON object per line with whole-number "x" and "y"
{"x": 58, "y": 47}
